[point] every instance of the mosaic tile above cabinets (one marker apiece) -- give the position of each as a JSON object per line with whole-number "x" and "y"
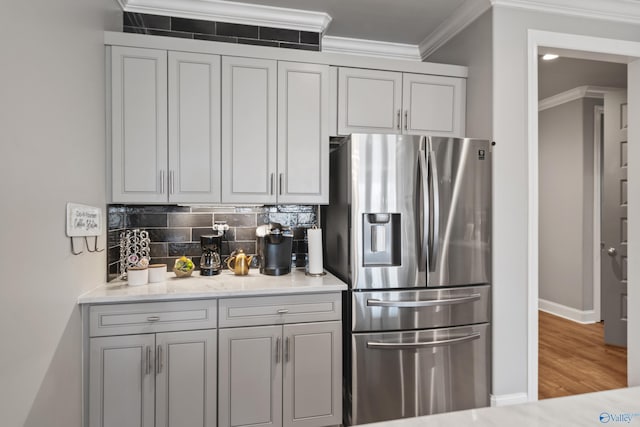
{"x": 198, "y": 29}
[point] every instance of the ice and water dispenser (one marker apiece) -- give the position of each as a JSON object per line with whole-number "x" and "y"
{"x": 382, "y": 240}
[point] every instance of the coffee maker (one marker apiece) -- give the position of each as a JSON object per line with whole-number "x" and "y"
{"x": 210, "y": 263}
{"x": 274, "y": 248}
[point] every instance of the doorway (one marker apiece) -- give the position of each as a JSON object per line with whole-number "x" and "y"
{"x": 603, "y": 49}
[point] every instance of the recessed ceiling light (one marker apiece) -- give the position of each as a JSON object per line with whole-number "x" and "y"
{"x": 549, "y": 56}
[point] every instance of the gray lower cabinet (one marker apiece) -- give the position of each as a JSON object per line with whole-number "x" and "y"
{"x": 286, "y": 375}
{"x": 152, "y": 364}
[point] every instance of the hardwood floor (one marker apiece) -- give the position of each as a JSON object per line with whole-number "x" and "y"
{"x": 573, "y": 359}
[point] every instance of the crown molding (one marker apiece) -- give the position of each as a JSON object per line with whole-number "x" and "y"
{"x": 610, "y": 10}
{"x": 233, "y": 12}
{"x": 464, "y": 15}
{"x": 573, "y": 94}
{"x": 409, "y": 52}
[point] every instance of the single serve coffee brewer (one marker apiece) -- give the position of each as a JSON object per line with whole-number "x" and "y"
{"x": 274, "y": 249}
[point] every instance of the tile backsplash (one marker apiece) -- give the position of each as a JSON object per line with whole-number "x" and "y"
{"x": 170, "y": 26}
{"x": 175, "y": 230}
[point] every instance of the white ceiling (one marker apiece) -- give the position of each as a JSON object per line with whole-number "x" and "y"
{"x": 396, "y": 21}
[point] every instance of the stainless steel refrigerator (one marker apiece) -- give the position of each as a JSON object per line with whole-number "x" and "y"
{"x": 408, "y": 228}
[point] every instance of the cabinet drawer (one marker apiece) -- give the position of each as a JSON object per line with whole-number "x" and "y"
{"x": 120, "y": 319}
{"x": 280, "y": 309}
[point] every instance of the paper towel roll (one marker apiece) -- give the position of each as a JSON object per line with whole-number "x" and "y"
{"x": 314, "y": 240}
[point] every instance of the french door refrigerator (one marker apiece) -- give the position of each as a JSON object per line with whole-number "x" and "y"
{"x": 408, "y": 228}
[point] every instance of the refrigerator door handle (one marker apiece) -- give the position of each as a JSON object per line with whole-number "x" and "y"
{"x": 424, "y": 246}
{"x": 426, "y": 303}
{"x": 435, "y": 244}
{"x": 424, "y": 344}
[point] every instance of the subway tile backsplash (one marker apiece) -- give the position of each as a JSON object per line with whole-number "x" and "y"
{"x": 175, "y": 230}
{"x": 142, "y": 23}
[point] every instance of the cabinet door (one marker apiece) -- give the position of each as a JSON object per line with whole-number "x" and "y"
{"x": 434, "y": 105}
{"x": 194, "y": 128}
{"x": 249, "y": 98}
{"x": 138, "y": 124}
{"x": 186, "y": 379}
{"x": 250, "y": 376}
{"x": 303, "y": 133}
{"x": 121, "y": 381}
{"x": 312, "y": 391}
{"x": 369, "y": 101}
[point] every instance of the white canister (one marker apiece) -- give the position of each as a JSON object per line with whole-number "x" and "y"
{"x": 157, "y": 273}
{"x": 137, "y": 276}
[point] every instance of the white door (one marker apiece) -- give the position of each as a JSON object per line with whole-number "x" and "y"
{"x": 369, "y": 101}
{"x": 614, "y": 220}
{"x": 312, "y": 390}
{"x": 186, "y": 379}
{"x": 433, "y": 105}
{"x": 250, "y": 377}
{"x": 303, "y": 133}
{"x": 121, "y": 381}
{"x": 249, "y": 144}
{"x": 194, "y": 128}
{"x": 138, "y": 125}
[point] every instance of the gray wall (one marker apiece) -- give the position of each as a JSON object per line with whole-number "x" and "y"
{"x": 511, "y": 185}
{"x": 472, "y": 48}
{"x": 565, "y": 138}
{"x": 508, "y": 84}
{"x": 53, "y": 151}
{"x": 564, "y": 74}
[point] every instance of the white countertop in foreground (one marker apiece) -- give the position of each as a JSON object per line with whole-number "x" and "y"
{"x": 225, "y": 284}
{"x": 611, "y": 408}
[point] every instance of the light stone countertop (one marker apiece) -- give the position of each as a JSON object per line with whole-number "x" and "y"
{"x": 226, "y": 284}
{"x": 610, "y": 408}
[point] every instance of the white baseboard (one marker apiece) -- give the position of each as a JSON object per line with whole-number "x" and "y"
{"x": 580, "y": 316}
{"x": 509, "y": 399}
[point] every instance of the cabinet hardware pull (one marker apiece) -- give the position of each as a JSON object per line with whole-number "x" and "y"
{"x": 425, "y": 344}
{"x": 398, "y": 120}
{"x": 159, "y": 360}
{"x": 148, "y": 368}
{"x": 271, "y": 191}
{"x": 153, "y": 318}
{"x": 406, "y": 119}
{"x": 282, "y": 311}
{"x": 280, "y": 184}
{"x": 171, "y": 176}
{"x": 277, "y": 350}
{"x": 162, "y": 181}
{"x": 286, "y": 349}
{"x": 424, "y": 303}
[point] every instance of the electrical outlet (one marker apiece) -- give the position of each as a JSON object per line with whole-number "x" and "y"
{"x": 220, "y": 226}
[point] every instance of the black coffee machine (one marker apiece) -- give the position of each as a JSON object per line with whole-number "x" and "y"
{"x": 274, "y": 248}
{"x": 210, "y": 263}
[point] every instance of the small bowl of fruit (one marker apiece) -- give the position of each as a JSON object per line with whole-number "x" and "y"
{"x": 183, "y": 267}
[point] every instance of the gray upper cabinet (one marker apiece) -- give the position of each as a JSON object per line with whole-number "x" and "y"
{"x": 303, "y": 133}
{"x": 373, "y": 101}
{"x": 249, "y": 99}
{"x": 139, "y": 124}
{"x": 369, "y": 101}
{"x": 433, "y": 105}
{"x": 194, "y": 128}
{"x": 165, "y": 126}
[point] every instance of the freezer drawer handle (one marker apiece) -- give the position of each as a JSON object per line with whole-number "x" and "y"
{"x": 429, "y": 303}
{"x": 407, "y": 345}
